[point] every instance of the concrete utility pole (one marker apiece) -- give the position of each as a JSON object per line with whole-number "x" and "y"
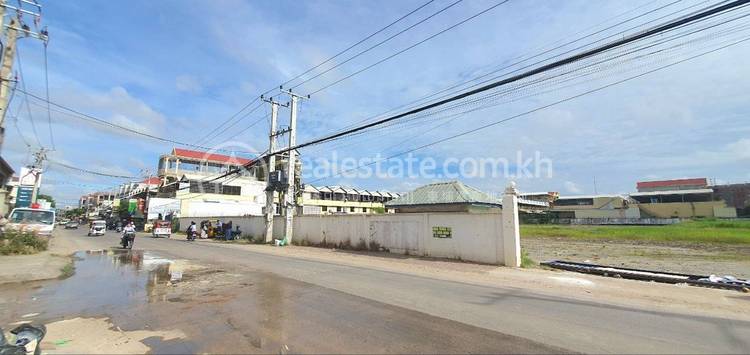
{"x": 8, "y": 40}
{"x": 39, "y": 157}
{"x": 6, "y": 73}
{"x": 270, "y": 190}
{"x": 290, "y": 197}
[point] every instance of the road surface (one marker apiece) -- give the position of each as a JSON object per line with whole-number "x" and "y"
{"x": 327, "y": 307}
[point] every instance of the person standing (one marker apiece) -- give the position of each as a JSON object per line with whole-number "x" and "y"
{"x": 228, "y": 230}
{"x": 219, "y": 229}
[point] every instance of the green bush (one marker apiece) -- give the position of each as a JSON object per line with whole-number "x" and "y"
{"x": 14, "y": 242}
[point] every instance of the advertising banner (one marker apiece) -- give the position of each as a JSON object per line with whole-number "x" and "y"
{"x": 23, "y": 198}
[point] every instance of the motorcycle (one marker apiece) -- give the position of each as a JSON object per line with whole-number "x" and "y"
{"x": 191, "y": 236}
{"x": 127, "y": 240}
{"x": 28, "y": 338}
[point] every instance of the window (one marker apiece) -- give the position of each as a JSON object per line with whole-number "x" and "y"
{"x": 364, "y": 209}
{"x": 32, "y": 217}
{"x": 231, "y": 190}
{"x": 325, "y": 209}
{"x": 575, "y": 202}
{"x": 339, "y": 209}
{"x": 351, "y": 209}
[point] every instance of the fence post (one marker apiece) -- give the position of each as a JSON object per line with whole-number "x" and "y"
{"x": 511, "y": 230}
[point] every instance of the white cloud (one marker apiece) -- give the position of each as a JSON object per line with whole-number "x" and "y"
{"x": 188, "y": 83}
{"x": 572, "y": 187}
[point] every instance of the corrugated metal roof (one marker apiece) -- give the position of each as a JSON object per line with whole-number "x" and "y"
{"x": 444, "y": 193}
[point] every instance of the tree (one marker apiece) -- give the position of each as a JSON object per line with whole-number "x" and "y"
{"x": 47, "y": 198}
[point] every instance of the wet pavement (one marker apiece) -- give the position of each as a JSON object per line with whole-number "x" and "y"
{"x": 230, "y": 311}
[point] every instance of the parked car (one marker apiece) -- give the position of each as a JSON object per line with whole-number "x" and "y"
{"x": 98, "y": 227}
{"x": 72, "y": 225}
{"x": 39, "y": 221}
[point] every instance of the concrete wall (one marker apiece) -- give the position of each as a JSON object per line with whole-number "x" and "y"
{"x": 473, "y": 237}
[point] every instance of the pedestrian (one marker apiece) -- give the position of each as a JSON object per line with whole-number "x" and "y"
{"x": 204, "y": 230}
{"x": 219, "y": 228}
{"x": 228, "y": 230}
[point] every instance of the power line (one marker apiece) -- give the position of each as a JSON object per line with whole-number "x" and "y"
{"x": 541, "y": 69}
{"x": 23, "y": 85}
{"x": 356, "y": 44}
{"x": 473, "y": 130}
{"x": 205, "y": 138}
{"x": 90, "y": 171}
{"x": 710, "y": 11}
{"x": 379, "y": 43}
{"x": 89, "y": 118}
{"x": 257, "y": 99}
{"x": 410, "y": 47}
{"x": 217, "y": 135}
{"x": 519, "y": 59}
{"x": 46, "y": 88}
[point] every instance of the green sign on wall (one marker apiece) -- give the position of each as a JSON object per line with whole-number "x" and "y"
{"x": 442, "y": 232}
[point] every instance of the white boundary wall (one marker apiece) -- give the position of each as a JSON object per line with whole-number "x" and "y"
{"x": 473, "y": 237}
{"x": 491, "y": 238}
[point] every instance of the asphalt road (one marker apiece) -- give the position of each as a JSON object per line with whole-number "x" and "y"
{"x": 522, "y": 319}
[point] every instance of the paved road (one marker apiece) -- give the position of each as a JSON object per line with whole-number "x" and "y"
{"x": 559, "y": 322}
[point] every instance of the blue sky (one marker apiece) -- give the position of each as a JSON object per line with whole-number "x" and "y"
{"x": 178, "y": 68}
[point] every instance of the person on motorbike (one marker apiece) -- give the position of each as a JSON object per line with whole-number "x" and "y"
{"x": 128, "y": 232}
{"x": 191, "y": 231}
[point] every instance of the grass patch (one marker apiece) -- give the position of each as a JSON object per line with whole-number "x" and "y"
{"x": 21, "y": 243}
{"x": 68, "y": 270}
{"x": 526, "y": 260}
{"x": 709, "y": 230}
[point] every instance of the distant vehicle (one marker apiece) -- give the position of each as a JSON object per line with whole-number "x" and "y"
{"x": 72, "y": 225}
{"x": 39, "y": 221}
{"x": 162, "y": 229}
{"x": 98, "y": 227}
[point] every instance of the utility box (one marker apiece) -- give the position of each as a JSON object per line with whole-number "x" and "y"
{"x": 278, "y": 180}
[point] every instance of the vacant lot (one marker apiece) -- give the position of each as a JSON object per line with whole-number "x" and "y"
{"x": 695, "y": 247}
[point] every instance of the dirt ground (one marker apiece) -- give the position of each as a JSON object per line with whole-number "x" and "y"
{"x": 690, "y": 258}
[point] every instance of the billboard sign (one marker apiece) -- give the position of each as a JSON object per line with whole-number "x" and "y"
{"x": 23, "y": 196}
{"x": 28, "y": 176}
{"x": 163, "y": 206}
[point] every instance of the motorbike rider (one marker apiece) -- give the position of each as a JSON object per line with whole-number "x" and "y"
{"x": 129, "y": 229}
{"x": 191, "y": 230}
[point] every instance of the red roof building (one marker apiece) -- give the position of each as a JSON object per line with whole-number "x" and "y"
{"x": 676, "y": 184}
{"x": 206, "y": 156}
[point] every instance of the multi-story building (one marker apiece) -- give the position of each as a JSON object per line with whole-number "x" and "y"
{"x": 594, "y": 206}
{"x": 187, "y": 177}
{"x": 736, "y": 196}
{"x": 98, "y": 203}
{"x": 343, "y": 200}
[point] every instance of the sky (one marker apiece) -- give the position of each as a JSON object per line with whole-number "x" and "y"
{"x": 177, "y": 69}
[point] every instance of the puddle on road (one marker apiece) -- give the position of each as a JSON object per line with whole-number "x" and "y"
{"x": 104, "y": 281}
{"x": 216, "y": 311}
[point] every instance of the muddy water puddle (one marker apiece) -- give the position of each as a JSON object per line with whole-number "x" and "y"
{"x": 136, "y": 302}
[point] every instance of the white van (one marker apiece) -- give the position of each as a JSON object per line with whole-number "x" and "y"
{"x": 39, "y": 221}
